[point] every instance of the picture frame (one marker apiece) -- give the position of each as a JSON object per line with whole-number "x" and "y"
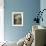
{"x": 17, "y": 18}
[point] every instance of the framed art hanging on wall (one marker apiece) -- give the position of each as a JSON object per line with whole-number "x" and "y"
{"x": 17, "y": 18}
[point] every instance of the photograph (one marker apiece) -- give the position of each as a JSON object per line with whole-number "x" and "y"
{"x": 17, "y": 18}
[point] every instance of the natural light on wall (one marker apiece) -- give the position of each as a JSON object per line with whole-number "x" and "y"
{"x": 1, "y": 20}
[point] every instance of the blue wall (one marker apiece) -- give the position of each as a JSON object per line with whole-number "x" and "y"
{"x": 43, "y": 6}
{"x": 29, "y": 7}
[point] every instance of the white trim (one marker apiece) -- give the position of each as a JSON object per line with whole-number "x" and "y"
{"x": 1, "y": 25}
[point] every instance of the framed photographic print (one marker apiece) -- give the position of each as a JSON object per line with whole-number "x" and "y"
{"x": 17, "y": 18}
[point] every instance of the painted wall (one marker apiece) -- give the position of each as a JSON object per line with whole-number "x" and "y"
{"x": 29, "y": 7}
{"x": 43, "y": 6}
